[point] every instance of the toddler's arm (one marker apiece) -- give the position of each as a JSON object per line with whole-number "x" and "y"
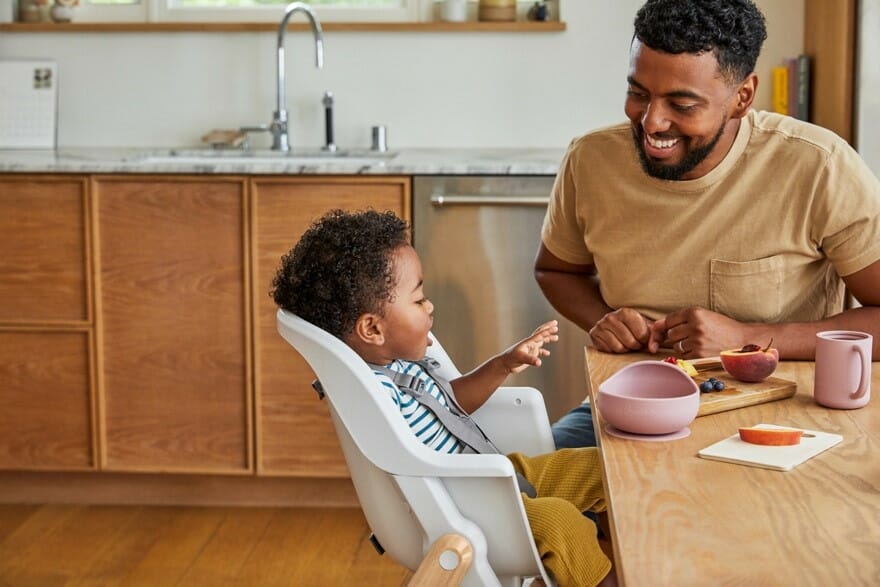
{"x": 474, "y": 388}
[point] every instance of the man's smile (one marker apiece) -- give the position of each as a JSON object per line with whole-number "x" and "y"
{"x": 661, "y": 143}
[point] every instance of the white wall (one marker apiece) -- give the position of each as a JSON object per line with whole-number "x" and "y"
{"x": 430, "y": 89}
{"x": 868, "y": 84}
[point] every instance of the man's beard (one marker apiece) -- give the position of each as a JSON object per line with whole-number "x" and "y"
{"x": 692, "y": 157}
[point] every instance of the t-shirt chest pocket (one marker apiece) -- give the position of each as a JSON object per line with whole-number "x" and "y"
{"x": 748, "y": 291}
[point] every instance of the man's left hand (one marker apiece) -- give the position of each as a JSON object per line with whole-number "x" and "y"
{"x": 697, "y": 332}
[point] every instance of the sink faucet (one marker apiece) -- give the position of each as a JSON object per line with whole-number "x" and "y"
{"x": 278, "y": 128}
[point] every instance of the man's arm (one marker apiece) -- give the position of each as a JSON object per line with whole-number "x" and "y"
{"x": 800, "y": 342}
{"x": 704, "y": 333}
{"x": 573, "y": 290}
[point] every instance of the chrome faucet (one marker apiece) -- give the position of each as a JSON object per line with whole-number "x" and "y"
{"x": 278, "y": 128}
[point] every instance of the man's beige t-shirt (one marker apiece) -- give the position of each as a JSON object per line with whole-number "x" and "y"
{"x": 762, "y": 237}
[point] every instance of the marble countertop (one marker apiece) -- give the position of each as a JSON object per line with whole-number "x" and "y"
{"x": 199, "y": 161}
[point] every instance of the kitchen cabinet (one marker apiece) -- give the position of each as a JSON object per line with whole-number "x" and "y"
{"x": 43, "y": 236}
{"x": 173, "y": 323}
{"x": 137, "y": 332}
{"x": 294, "y": 433}
{"x": 46, "y": 390}
{"x": 45, "y": 400}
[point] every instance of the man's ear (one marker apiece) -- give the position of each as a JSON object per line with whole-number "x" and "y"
{"x": 744, "y": 96}
{"x": 368, "y": 329}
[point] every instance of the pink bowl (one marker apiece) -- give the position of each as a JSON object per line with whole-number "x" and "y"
{"x": 649, "y": 397}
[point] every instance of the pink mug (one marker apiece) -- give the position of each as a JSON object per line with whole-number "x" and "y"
{"x": 843, "y": 369}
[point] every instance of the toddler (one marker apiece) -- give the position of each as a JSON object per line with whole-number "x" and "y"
{"x": 356, "y": 276}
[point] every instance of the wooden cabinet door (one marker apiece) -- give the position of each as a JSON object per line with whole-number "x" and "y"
{"x": 294, "y": 433}
{"x": 46, "y": 396}
{"x": 45, "y": 400}
{"x": 43, "y": 237}
{"x": 173, "y": 324}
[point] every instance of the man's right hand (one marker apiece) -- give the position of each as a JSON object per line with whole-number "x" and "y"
{"x": 622, "y": 331}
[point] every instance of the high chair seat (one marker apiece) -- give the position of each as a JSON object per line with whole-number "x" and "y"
{"x": 413, "y": 496}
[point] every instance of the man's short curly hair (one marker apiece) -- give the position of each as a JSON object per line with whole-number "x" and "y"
{"x": 734, "y": 30}
{"x": 340, "y": 269}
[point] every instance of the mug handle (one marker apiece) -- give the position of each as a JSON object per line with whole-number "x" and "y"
{"x": 864, "y": 378}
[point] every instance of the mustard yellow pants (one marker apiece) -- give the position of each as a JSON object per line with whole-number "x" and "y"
{"x": 568, "y": 482}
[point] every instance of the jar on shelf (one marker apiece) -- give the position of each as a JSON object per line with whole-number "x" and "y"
{"x": 62, "y": 10}
{"x": 539, "y": 11}
{"x": 33, "y": 11}
{"x": 497, "y": 10}
{"x": 453, "y": 10}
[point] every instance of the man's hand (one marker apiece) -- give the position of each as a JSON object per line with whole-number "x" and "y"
{"x": 697, "y": 332}
{"x": 528, "y": 351}
{"x": 621, "y": 331}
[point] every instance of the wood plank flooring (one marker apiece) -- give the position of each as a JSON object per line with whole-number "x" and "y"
{"x": 105, "y": 546}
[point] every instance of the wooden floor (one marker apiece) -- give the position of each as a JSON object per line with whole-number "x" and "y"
{"x": 49, "y": 545}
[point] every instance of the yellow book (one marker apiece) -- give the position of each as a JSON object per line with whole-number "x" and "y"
{"x": 780, "y": 89}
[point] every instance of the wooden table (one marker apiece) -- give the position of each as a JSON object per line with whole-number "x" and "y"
{"x": 677, "y": 519}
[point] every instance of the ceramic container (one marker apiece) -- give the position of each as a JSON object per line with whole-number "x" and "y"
{"x": 61, "y": 12}
{"x": 843, "y": 369}
{"x": 649, "y": 397}
{"x": 7, "y": 10}
{"x": 497, "y": 10}
{"x": 453, "y": 10}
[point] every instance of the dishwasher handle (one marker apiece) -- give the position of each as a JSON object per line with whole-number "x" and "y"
{"x": 439, "y": 200}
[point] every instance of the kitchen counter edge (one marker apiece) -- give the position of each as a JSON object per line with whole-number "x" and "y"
{"x": 506, "y": 161}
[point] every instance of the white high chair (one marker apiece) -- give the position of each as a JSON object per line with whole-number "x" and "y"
{"x": 453, "y": 519}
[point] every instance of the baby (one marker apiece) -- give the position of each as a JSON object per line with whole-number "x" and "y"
{"x": 356, "y": 276}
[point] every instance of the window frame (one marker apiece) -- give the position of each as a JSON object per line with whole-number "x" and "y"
{"x": 138, "y": 12}
{"x": 160, "y": 11}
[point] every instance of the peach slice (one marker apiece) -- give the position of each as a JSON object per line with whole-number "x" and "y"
{"x": 771, "y": 436}
{"x": 750, "y": 363}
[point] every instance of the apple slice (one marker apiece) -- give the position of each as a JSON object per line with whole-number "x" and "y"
{"x": 771, "y": 436}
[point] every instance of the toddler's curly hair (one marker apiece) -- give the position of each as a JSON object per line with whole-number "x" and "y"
{"x": 341, "y": 268}
{"x": 734, "y": 30}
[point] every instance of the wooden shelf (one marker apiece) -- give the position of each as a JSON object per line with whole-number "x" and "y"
{"x": 829, "y": 39}
{"x": 210, "y": 27}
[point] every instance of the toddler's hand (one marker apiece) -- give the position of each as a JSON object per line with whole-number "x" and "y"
{"x": 528, "y": 352}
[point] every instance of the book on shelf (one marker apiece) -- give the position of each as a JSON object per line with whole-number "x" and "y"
{"x": 791, "y": 64}
{"x": 791, "y": 87}
{"x": 780, "y": 89}
{"x": 803, "y": 87}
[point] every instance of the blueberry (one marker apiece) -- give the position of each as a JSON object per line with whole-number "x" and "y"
{"x": 706, "y": 386}
{"x": 718, "y": 385}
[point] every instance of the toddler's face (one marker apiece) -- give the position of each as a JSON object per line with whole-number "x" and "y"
{"x": 409, "y": 315}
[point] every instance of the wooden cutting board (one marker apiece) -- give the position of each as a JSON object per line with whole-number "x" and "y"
{"x": 737, "y": 394}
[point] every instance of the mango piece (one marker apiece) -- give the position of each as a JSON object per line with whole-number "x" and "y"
{"x": 688, "y": 368}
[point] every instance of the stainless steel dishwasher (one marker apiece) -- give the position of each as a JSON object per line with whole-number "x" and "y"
{"x": 477, "y": 237}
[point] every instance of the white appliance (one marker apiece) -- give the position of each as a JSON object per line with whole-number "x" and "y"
{"x": 867, "y": 88}
{"x": 28, "y": 104}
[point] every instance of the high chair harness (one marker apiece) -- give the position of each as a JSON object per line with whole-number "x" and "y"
{"x": 452, "y": 416}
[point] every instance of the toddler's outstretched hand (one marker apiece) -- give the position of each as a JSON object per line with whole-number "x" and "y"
{"x": 528, "y": 351}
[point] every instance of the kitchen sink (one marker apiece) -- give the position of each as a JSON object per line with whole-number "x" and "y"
{"x": 264, "y": 157}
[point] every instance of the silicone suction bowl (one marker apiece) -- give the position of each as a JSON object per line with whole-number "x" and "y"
{"x": 649, "y": 397}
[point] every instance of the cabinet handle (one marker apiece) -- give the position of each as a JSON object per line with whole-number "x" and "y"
{"x": 439, "y": 200}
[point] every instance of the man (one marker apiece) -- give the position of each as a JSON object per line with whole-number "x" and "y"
{"x": 704, "y": 225}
